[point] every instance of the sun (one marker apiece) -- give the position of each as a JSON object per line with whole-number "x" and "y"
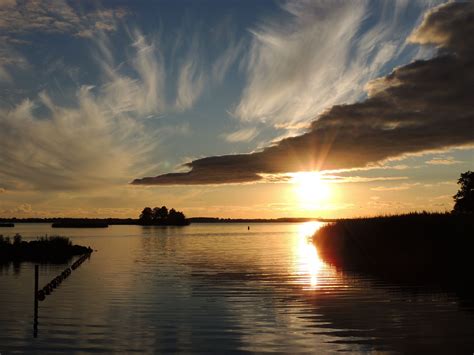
{"x": 310, "y": 190}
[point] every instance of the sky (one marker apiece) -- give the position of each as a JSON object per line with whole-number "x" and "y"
{"x": 259, "y": 109}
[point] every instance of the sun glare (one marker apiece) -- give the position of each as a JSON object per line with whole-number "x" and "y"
{"x": 307, "y": 262}
{"x": 310, "y": 189}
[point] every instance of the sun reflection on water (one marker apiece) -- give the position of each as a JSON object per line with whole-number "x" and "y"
{"x": 307, "y": 262}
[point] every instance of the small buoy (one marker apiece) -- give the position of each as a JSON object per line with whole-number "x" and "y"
{"x": 40, "y": 295}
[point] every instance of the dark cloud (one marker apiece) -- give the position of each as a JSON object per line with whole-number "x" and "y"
{"x": 428, "y": 104}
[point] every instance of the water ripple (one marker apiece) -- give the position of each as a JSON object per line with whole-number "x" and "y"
{"x": 224, "y": 289}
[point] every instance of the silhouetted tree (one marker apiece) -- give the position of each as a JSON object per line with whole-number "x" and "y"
{"x": 176, "y": 217}
{"x": 156, "y": 213}
{"x": 163, "y": 213}
{"x": 464, "y": 198}
{"x": 147, "y": 215}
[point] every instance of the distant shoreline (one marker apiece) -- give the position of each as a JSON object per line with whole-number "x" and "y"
{"x": 133, "y": 221}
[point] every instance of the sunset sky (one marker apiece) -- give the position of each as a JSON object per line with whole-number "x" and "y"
{"x": 216, "y": 107}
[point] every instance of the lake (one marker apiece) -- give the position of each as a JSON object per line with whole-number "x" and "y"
{"x": 220, "y": 288}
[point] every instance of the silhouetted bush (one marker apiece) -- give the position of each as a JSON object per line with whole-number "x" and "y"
{"x": 55, "y": 249}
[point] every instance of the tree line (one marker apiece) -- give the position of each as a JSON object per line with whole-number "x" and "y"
{"x": 162, "y": 216}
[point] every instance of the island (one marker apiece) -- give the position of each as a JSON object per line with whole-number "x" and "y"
{"x": 78, "y": 223}
{"x": 54, "y": 249}
{"x": 160, "y": 216}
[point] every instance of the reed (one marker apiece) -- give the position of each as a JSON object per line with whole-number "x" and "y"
{"x": 415, "y": 245}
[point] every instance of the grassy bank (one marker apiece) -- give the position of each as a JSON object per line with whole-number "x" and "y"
{"x": 412, "y": 246}
{"x": 44, "y": 249}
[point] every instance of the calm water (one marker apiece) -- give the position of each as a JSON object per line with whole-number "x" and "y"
{"x": 222, "y": 288}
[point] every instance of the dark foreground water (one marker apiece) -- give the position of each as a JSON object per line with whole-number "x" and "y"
{"x": 221, "y": 288}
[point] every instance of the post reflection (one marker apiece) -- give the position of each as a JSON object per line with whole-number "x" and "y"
{"x": 307, "y": 263}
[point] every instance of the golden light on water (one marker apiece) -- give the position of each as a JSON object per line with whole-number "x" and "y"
{"x": 310, "y": 190}
{"x": 307, "y": 262}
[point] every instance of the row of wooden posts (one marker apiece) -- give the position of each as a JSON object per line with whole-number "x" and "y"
{"x": 40, "y": 295}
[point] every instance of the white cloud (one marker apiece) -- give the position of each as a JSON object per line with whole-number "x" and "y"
{"x": 401, "y": 187}
{"x": 100, "y": 139}
{"x": 81, "y": 147}
{"x": 142, "y": 93}
{"x": 316, "y": 59}
{"x": 241, "y": 135}
{"x": 228, "y": 57}
{"x": 104, "y": 136}
{"x": 442, "y": 161}
{"x": 191, "y": 82}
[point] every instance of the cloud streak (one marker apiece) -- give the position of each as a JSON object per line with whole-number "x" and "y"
{"x": 241, "y": 135}
{"x": 443, "y": 161}
{"x": 422, "y": 106}
{"x": 321, "y": 55}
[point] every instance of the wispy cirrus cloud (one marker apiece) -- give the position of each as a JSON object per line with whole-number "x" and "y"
{"x": 241, "y": 135}
{"x": 52, "y": 153}
{"x": 143, "y": 92}
{"x": 322, "y": 55}
{"x": 191, "y": 82}
{"x": 42, "y": 139}
{"x": 422, "y": 106}
{"x": 99, "y": 139}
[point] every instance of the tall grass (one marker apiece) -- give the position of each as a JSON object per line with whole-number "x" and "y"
{"x": 412, "y": 245}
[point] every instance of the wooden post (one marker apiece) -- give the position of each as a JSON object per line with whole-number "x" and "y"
{"x": 35, "y": 320}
